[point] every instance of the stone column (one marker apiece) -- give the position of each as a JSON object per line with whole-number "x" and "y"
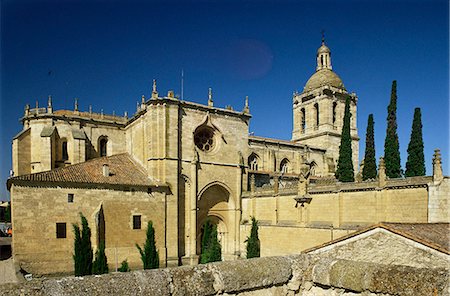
{"x": 193, "y": 212}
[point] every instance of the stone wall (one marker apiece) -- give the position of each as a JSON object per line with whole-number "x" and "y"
{"x": 295, "y": 275}
{"x": 36, "y": 211}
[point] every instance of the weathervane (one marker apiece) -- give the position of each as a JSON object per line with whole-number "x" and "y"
{"x": 323, "y": 36}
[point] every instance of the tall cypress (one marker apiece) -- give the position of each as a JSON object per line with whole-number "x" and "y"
{"x": 149, "y": 255}
{"x": 391, "y": 145}
{"x": 82, "y": 248}
{"x": 211, "y": 249}
{"x": 253, "y": 243}
{"x": 415, "y": 164}
{"x": 370, "y": 164}
{"x": 345, "y": 172}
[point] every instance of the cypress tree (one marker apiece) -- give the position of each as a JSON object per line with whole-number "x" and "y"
{"x": 149, "y": 255}
{"x": 370, "y": 164}
{"x": 211, "y": 249}
{"x": 82, "y": 248}
{"x": 100, "y": 264}
{"x": 345, "y": 172}
{"x": 215, "y": 249}
{"x": 253, "y": 243}
{"x": 415, "y": 164}
{"x": 391, "y": 145}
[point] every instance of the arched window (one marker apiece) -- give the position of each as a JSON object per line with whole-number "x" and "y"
{"x": 284, "y": 166}
{"x": 316, "y": 109}
{"x": 334, "y": 112}
{"x": 303, "y": 119}
{"x": 102, "y": 146}
{"x": 253, "y": 162}
{"x": 64, "y": 152}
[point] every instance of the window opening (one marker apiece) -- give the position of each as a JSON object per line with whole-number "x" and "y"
{"x": 65, "y": 154}
{"x": 70, "y": 197}
{"x": 102, "y": 148}
{"x": 61, "y": 230}
{"x": 136, "y": 221}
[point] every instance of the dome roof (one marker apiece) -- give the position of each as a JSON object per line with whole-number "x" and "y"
{"x": 324, "y": 77}
{"x": 323, "y": 49}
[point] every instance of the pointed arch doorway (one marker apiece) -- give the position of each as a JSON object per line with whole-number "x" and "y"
{"x": 216, "y": 205}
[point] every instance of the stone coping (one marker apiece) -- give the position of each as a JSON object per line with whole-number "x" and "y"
{"x": 295, "y": 274}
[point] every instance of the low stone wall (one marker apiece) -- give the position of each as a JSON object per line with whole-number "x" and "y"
{"x": 291, "y": 275}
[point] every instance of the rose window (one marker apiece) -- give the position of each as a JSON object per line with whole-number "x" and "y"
{"x": 204, "y": 139}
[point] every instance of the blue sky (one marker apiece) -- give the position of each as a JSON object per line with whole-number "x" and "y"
{"x": 106, "y": 53}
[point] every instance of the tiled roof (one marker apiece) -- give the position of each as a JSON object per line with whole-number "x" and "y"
{"x": 123, "y": 171}
{"x": 432, "y": 235}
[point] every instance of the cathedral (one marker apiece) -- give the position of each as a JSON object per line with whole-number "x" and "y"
{"x": 178, "y": 163}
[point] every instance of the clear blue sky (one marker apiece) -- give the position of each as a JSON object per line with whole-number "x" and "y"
{"x": 106, "y": 53}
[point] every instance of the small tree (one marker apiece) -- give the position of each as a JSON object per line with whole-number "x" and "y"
{"x": 211, "y": 249}
{"x": 415, "y": 164}
{"x": 370, "y": 164}
{"x": 391, "y": 144}
{"x": 82, "y": 248}
{"x": 8, "y": 213}
{"x": 149, "y": 255}
{"x": 100, "y": 265}
{"x": 253, "y": 243}
{"x": 345, "y": 172}
{"x": 124, "y": 266}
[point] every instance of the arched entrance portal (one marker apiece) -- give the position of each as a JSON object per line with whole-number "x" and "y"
{"x": 216, "y": 205}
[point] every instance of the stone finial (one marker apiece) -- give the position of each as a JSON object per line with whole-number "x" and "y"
{"x": 125, "y": 114}
{"x": 137, "y": 107}
{"x": 143, "y": 99}
{"x": 90, "y": 109}
{"x": 210, "y": 98}
{"x": 76, "y": 104}
{"x": 246, "y": 107}
{"x": 37, "y": 107}
{"x": 171, "y": 94}
{"x": 114, "y": 113}
{"x": 438, "y": 176}
{"x": 49, "y": 104}
{"x": 381, "y": 173}
{"x": 27, "y": 109}
{"x": 101, "y": 113}
{"x": 154, "y": 91}
{"x": 302, "y": 185}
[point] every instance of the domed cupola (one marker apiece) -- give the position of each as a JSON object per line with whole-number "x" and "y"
{"x": 324, "y": 74}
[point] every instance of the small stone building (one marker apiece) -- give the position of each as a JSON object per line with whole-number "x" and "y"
{"x": 422, "y": 245}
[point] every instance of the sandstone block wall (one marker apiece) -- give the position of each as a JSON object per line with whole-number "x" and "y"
{"x": 294, "y": 275}
{"x": 37, "y": 210}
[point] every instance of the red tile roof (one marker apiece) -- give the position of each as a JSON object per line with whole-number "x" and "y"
{"x": 432, "y": 235}
{"x": 123, "y": 171}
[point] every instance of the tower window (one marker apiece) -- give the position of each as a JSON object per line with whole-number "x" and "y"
{"x": 64, "y": 152}
{"x": 334, "y": 112}
{"x": 303, "y": 119}
{"x": 136, "y": 221}
{"x": 61, "y": 230}
{"x": 316, "y": 108}
{"x": 103, "y": 146}
{"x": 70, "y": 197}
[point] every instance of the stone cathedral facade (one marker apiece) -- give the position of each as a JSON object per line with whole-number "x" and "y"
{"x": 179, "y": 163}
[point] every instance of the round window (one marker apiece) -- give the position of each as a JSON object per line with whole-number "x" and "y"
{"x": 204, "y": 139}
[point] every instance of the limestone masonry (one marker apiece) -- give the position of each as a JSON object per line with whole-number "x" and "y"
{"x": 178, "y": 163}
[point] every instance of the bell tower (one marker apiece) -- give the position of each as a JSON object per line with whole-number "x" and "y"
{"x": 318, "y": 111}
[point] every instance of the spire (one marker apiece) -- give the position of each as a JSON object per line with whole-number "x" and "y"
{"x": 323, "y": 55}
{"x": 154, "y": 91}
{"x": 210, "y": 99}
{"x": 246, "y": 107}
{"x": 49, "y": 105}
